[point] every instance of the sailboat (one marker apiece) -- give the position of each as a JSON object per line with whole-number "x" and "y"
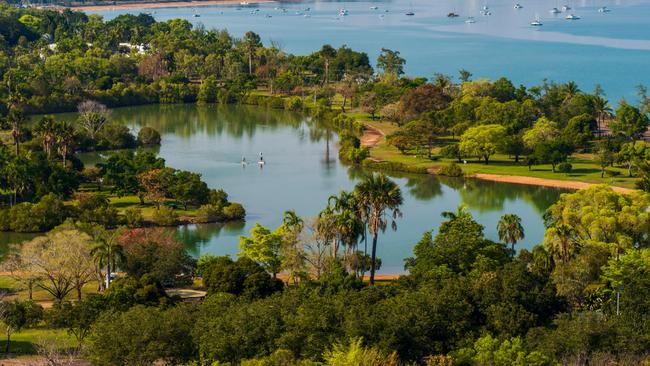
{"x": 518, "y": 6}
{"x": 603, "y": 9}
{"x": 536, "y": 22}
{"x": 410, "y": 13}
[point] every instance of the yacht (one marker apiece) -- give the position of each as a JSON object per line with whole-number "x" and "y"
{"x": 554, "y": 11}
{"x": 566, "y": 8}
{"x": 536, "y": 22}
{"x": 571, "y": 17}
{"x": 518, "y": 6}
{"x": 470, "y": 20}
{"x": 604, "y": 9}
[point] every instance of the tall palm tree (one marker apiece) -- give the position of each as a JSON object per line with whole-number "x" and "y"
{"x": 16, "y": 119}
{"x": 561, "y": 242}
{"x": 327, "y": 53}
{"x": 601, "y": 105}
{"x": 46, "y": 129}
{"x": 64, "y": 137}
{"x": 108, "y": 253}
{"x": 510, "y": 230}
{"x": 292, "y": 221}
{"x": 378, "y": 196}
{"x": 570, "y": 90}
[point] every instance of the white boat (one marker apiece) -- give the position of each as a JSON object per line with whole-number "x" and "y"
{"x": 343, "y": 12}
{"x": 571, "y": 17}
{"x": 518, "y": 6}
{"x": 244, "y": 3}
{"x": 536, "y": 23}
{"x": 566, "y": 8}
{"x": 470, "y": 20}
{"x": 486, "y": 12}
{"x": 485, "y": 7}
{"x": 604, "y": 9}
{"x": 554, "y": 11}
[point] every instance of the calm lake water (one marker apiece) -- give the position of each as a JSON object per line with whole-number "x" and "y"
{"x": 302, "y": 171}
{"x": 611, "y": 49}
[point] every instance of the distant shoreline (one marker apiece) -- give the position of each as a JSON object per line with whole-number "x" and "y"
{"x": 159, "y": 5}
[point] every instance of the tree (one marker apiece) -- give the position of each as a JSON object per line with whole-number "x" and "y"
{"x": 65, "y": 135}
{"x": 61, "y": 259}
{"x": 605, "y": 157}
{"x": 46, "y": 129}
{"x": 148, "y": 136}
{"x": 16, "y": 119}
{"x": 633, "y": 153}
{"x": 464, "y": 75}
{"x": 92, "y": 116}
{"x": 251, "y": 42}
{"x": 482, "y": 141}
{"x": 121, "y": 171}
{"x": 391, "y": 63}
{"x": 16, "y": 315}
{"x": 78, "y": 317}
{"x": 263, "y": 247}
{"x": 188, "y": 188}
{"x": 370, "y": 104}
{"x": 629, "y": 122}
{"x": 327, "y": 53}
{"x": 542, "y": 131}
{"x": 156, "y": 184}
{"x": 241, "y": 277}
{"x": 378, "y": 197}
{"x": 510, "y": 230}
{"x": 108, "y": 253}
{"x": 603, "y": 111}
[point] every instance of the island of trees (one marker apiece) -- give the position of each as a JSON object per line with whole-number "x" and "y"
{"x": 306, "y": 292}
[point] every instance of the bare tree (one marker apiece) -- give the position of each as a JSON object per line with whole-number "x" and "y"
{"x": 93, "y": 116}
{"x": 55, "y": 352}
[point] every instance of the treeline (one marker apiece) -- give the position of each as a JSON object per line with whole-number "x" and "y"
{"x": 580, "y": 298}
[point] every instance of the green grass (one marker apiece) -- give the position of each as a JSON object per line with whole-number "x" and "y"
{"x": 585, "y": 169}
{"x": 17, "y": 290}
{"x": 24, "y": 342}
{"x": 123, "y": 203}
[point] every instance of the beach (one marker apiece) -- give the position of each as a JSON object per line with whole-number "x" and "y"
{"x": 159, "y": 5}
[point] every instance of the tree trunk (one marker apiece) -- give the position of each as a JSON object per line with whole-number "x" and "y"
{"x": 250, "y": 63}
{"x": 345, "y": 98}
{"x": 373, "y": 259}
{"x": 141, "y": 198}
{"x": 79, "y": 286}
{"x": 108, "y": 275}
{"x": 8, "y": 341}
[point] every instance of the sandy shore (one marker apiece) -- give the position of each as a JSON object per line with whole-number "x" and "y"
{"x": 371, "y": 136}
{"x": 543, "y": 182}
{"x": 170, "y": 4}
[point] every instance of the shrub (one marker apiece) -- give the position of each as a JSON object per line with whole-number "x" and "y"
{"x": 275, "y": 102}
{"x": 148, "y": 137}
{"x": 133, "y": 217}
{"x": 612, "y": 173}
{"x": 218, "y": 197}
{"x": 564, "y": 168}
{"x": 115, "y": 136}
{"x": 451, "y": 170}
{"x": 293, "y": 104}
{"x": 5, "y": 220}
{"x": 234, "y": 211}
{"x": 393, "y": 166}
{"x": 451, "y": 152}
{"x": 209, "y": 213}
{"x": 165, "y": 216}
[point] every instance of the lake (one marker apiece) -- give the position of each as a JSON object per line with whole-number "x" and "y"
{"x": 611, "y": 49}
{"x": 302, "y": 171}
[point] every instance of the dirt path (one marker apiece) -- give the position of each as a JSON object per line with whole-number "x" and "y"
{"x": 543, "y": 182}
{"x": 371, "y": 136}
{"x": 169, "y": 4}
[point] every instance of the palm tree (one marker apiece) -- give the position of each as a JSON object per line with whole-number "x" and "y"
{"x": 461, "y": 212}
{"x": 251, "y": 43}
{"x": 47, "y": 129}
{"x": 16, "y": 119}
{"x": 570, "y": 90}
{"x": 377, "y": 194}
{"x": 510, "y": 230}
{"x": 108, "y": 253}
{"x": 64, "y": 137}
{"x": 561, "y": 242}
{"x": 292, "y": 221}
{"x": 601, "y": 105}
{"x": 327, "y": 52}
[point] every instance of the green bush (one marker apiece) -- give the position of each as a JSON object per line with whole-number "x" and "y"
{"x": 392, "y": 166}
{"x": 293, "y": 104}
{"x": 275, "y": 102}
{"x": 148, "y": 136}
{"x": 218, "y": 197}
{"x": 133, "y": 217}
{"x": 564, "y": 168}
{"x": 234, "y": 211}
{"x": 612, "y": 173}
{"x": 165, "y": 216}
{"x": 209, "y": 213}
{"x": 451, "y": 170}
{"x": 5, "y": 220}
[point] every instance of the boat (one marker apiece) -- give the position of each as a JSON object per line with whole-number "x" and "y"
{"x": 374, "y": 7}
{"x": 410, "y": 14}
{"x": 603, "y": 9}
{"x": 343, "y": 12}
{"x": 554, "y": 11}
{"x": 470, "y": 20}
{"x": 536, "y": 22}
{"x": 197, "y": 15}
{"x": 452, "y": 15}
{"x": 566, "y": 8}
{"x": 269, "y": 16}
{"x": 486, "y": 12}
{"x": 244, "y": 3}
{"x": 571, "y": 17}
{"x": 307, "y": 9}
{"x": 485, "y": 7}
{"x": 518, "y": 6}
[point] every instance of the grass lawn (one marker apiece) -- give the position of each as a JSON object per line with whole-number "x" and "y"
{"x": 24, "y": 342}
{"x": 585, "y": 169}
{"x": 17, "y": 290}
{"x": 122, "y": 203}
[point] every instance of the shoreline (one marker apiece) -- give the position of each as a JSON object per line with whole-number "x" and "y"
{"x": 554, "y": 183}
{"x": 160, "y": 5}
